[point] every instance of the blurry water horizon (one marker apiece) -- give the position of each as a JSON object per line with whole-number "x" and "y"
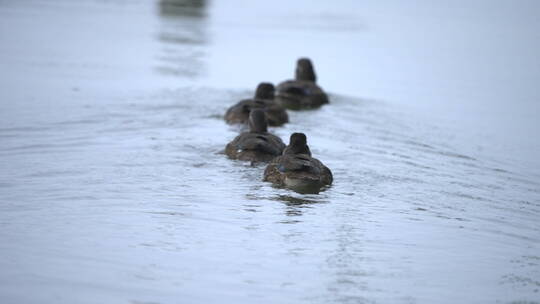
{"x": 113, "y": 187}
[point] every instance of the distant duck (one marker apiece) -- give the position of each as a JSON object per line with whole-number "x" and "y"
{"x": 257, "y": 145}
{"x": 296, "y": 169}
{"x": 264, "y": 99}
{"x": 303, "y": 92}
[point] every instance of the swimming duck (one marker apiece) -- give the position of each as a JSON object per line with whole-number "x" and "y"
{"x": 302, "y": 92}
{"x": 256, "y": 145}
{"x": 263, "y": 99}
{"x": 296, "y": 169}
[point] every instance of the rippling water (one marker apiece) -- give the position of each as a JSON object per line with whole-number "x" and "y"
{"x": 114, "y": 188}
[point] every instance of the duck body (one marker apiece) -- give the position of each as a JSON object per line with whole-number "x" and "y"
{"x": 302, "y": 92}
{"x": 257, "y": 145}
{"x": 299, "y": 172}
{"x": 239, "y": 113}
{"x": 297, "y": 169}
{"x": 264, "y": 99}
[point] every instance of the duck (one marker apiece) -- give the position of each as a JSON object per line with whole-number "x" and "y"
{"x": 296, "y": 169}
{"x": 257, "y": 145}
{"x": 263, "y": 99}
{"x": 302, "y": 92}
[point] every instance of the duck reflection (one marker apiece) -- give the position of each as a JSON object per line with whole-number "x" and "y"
{"x": 182, "y": 37}
{"x": 295, "y": 201}
{"x": 296, "y": 205}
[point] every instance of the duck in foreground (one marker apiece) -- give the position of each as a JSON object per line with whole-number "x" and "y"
{"x": 257, "y": 145}
{"x": 296, "y": 169}
{"x": 264, "y": 99}
{"x": 302, "y": 92}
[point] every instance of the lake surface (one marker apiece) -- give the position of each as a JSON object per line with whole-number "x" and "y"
{"x": 114, "y": 188}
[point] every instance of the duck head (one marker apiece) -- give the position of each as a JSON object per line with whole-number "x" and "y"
{"x": 298, "y": 140}
{"x": 257, "y": 121}
{"x": 298, "y": 144}
{"x": 265, "y": 90}
{"x": 305, "y": 70}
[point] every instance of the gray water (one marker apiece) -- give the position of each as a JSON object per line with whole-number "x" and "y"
{"x": 113, "y": 187}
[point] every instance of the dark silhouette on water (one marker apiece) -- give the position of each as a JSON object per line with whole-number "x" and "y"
{"x": 182, "y": 8}
{"x": 297, "y": 170}
{"x": 264, "y": 100}
{"x": 257, "y": 145}
{"x": 302, "y": 92}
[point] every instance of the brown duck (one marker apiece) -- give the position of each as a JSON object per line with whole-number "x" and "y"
{"x": 302, "y": 92}
{"x": 264, "y": 99}
{"x": 297, "y": 170}
{"x": 257, "y": 145}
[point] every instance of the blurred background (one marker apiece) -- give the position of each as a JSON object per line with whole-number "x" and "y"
{"x": 113, "y": 190}
{"x": 469, "y": 66}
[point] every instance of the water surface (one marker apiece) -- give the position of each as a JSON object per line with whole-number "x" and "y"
{"x": 113, "y": 187}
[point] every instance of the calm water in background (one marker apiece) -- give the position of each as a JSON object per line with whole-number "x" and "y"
{"x": 113, "y": 188}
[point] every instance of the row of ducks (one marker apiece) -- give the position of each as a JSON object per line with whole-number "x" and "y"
{"x": 289, "y": 166}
